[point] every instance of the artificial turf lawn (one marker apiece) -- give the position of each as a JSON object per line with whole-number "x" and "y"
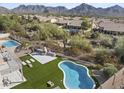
{"x": 38, "y": 76}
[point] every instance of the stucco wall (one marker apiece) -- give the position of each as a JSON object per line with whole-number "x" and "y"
{"x": 114, "y": 82}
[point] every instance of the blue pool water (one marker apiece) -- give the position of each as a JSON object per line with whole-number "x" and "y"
{"x": 76, "y": 76}
{"x": 10, "y": 43}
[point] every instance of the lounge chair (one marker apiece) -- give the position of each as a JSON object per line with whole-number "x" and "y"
{"x": 32, "y": 60}
{"x": 27, "y": 61}
{"x": 30, "y": 65}
{"x": 23, "y": 63}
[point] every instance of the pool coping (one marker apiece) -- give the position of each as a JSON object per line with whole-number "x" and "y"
{"x": 79, "y": 65}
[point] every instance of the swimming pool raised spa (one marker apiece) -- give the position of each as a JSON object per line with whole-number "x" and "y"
{"x": 76, "y": 76}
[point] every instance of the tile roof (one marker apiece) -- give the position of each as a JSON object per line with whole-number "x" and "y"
{"x": 112, "y": 26}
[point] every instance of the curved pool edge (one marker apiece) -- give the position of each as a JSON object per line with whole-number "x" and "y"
{"x": 75, "y": 64}
{"x": 18, "y": 43}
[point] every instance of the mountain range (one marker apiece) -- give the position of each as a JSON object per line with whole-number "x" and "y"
{"x": 82, "y": 9}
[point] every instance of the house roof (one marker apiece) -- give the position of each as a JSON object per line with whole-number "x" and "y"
{"x": 70, "y": 22}
{"x": 112, "y": 26}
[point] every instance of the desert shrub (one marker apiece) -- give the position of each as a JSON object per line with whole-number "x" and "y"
{"x": 94, "y": 35}
{"x": 101, "y": 56}
{"x": 81, "y": 43}
{"x": 119, "y": 49}
{"x": 72, "y": 51}
{"x": 98, "y": 66}
{"x": 53, "y": 45}
{"x": 105, "y": 40}
{"x": 109, "y": 69}
{"x": 87, "y": 57}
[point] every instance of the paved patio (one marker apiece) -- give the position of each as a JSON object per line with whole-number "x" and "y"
{"x": 10, "y": 69}
{"x": 43, "y": 59}
{"x": 15, "y": 78}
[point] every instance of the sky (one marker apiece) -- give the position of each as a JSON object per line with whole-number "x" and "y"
{"x": 67, "y": 5}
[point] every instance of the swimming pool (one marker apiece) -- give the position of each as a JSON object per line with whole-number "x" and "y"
{"x": 9, "y": 43}
{"x": 76, "y": 76}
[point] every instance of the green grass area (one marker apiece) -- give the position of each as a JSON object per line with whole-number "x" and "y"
{"x": 38, "y": 76}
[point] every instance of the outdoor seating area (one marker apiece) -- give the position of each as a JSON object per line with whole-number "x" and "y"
{"x": 28, "y": 63}
{"x": 43, "y": 55}
{"x": 6, "y": 81}
{"x": 45, "y": 51}
{"x": 43, "y": 59}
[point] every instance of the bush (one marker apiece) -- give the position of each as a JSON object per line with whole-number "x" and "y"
{"x": 101, "y": 56}
{"x": 87, "y": 57}
{"x": 85, "y": 25}
{"x": 109, "y": 69}
{"x": 119, "y": 49}
{"x": 81, "y": 43}
{"x": 94, "y": 67}
{"x": 72, "y": 51}
{"x": 5, "y": 23}
{"x": 94, "y": 35}
{"x": 51, "y": 44}
{"x": 105, "y": 40}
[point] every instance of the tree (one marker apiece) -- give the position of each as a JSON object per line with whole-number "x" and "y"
{"x": 47, "y": 31}
{"x": 94, "y": 35}
{"x": 85, "y": 25}
{"x": 101, "y": 56}
{"x": 119, "y": 49}
{"x": 109, "y": 69}
{"x": 65, "y": 38}
{"x": 5, "y": 23}
{"x": 81, "y": 43}
{"x": 106, "y": 40}
{"x": 15, "y": 17}
{"x": 34, "y": 27}
{"x": 17, "y": 27}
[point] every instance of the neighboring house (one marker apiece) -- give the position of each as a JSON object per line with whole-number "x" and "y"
{"x": 109, "y": 27}
{"x": 53, "y": 20}
{"x": 71, "y": 25}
